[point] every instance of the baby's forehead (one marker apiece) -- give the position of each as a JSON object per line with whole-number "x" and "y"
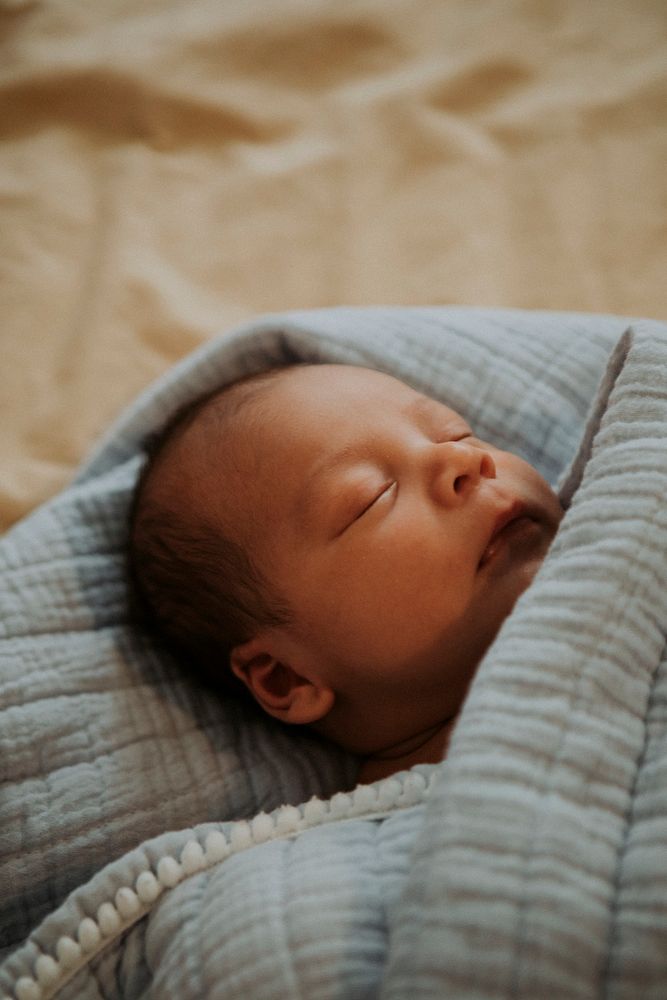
{"x": 245, "y": 417}
{"x": 235, "y": 423}
{"x": 295, "y": 384}
{"x": 359, "y": 385}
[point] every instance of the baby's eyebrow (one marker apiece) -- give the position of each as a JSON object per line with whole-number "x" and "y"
{"x": 422, "y": 406}
{"x": 430, "y": 409}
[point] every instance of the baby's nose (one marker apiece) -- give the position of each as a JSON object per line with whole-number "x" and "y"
{"x": 461, "y": 467}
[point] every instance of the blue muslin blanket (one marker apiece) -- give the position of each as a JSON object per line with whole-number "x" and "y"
{"x": 158, "y": 841}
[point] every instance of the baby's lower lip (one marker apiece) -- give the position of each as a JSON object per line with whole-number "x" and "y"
{"x": 511, "y": 530}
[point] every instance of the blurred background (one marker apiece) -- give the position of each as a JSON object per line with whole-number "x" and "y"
{"x": 172, "y": 168}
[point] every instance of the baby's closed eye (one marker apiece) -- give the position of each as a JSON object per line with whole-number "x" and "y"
{"x": 384, "y": 494}
{"x": 359, "y": 506}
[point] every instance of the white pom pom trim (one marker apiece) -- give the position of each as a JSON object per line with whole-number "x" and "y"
{"x": 169, "y": 872}
{"x": 217, "y": 847}
{"x": 47, "y": 970}
{"x": 287, "y": 820}
{"x": 127, "y": 902}
{"x": 261, "y": 828}
{"x": 131, "y": 903}
{"x": 108, "y": 919}
{"x": 192, "y": 857}
{"x": 88, "y": 934}
{"x": 68, "y": 952}
{"x": 148, "y": 888}
{"x": 28, "y": 989}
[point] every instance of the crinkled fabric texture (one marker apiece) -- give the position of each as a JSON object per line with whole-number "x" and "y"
{"x": 172, "y": 168}
{"x": 536, "y": 866}
{"x": 104, "y": 741}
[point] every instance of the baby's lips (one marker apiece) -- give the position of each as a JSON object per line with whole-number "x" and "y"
{"x": 513, "y": 513}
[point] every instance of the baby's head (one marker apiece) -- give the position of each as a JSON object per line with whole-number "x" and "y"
{"x": 338, "y": 544}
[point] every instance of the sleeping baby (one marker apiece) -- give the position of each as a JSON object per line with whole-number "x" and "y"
{"x": 340, "y": 548}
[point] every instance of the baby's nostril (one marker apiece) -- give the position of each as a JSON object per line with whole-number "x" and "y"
{"x": 459, "y": 483}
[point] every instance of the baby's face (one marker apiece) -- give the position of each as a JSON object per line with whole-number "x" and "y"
{"x": 399, "y": 539}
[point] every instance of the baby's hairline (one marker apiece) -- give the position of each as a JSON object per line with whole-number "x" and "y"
{"x": 160, "y": 515}
{"x": 237, "y": 396}
{"x": 190, "y": 434}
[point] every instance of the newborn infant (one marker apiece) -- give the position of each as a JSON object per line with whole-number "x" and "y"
{"x": 342, "y": 549}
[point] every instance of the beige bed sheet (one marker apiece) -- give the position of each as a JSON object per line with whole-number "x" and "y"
{"x": 169, "y": 169}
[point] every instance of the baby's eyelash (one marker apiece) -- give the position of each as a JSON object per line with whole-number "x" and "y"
{"x": 447, "y": 436}
{"x": 385, "y": 489}
{"x": 358, "y": 515}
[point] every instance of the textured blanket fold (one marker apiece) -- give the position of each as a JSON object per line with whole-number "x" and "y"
{"x": 530, "y": 863}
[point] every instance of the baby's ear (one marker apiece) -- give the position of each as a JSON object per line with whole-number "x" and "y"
{"x": 276, "y": 686}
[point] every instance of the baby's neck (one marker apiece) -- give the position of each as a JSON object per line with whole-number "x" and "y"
{"x": 429, "y": 747}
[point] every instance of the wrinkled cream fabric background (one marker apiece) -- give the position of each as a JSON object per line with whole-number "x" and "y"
{"x": 170, "y": 168}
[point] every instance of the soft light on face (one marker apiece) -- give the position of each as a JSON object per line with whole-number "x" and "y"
{"x": 400, "y": 541}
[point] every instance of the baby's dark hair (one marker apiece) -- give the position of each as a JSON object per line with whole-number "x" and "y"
{"x": 199, "y": 588}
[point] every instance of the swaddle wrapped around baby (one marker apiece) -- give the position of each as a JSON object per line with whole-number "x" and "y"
{"x": 524, "y": 865}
